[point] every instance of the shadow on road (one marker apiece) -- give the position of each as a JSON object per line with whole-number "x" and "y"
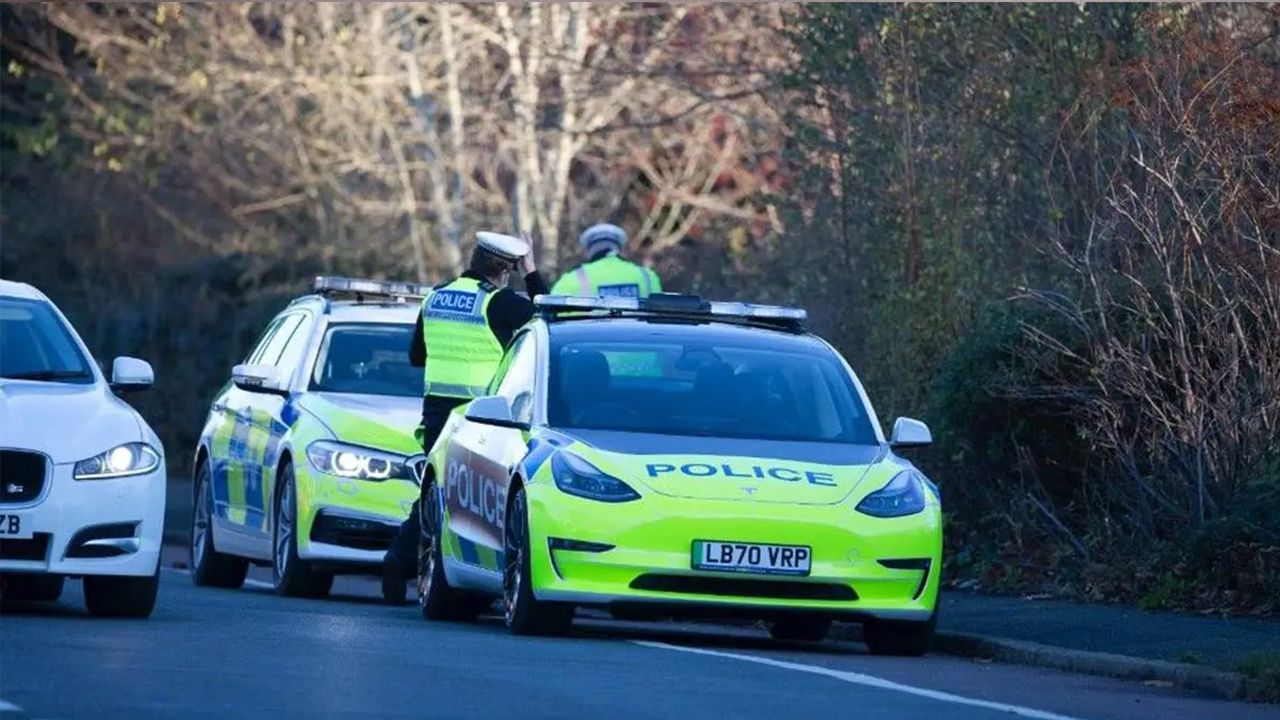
{"x": 702, "y": 634}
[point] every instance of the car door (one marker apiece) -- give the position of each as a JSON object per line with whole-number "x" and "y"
{"x": 263, "y": 424}
{"x": 478, "y": 507}
{"x": 228, "y": 447}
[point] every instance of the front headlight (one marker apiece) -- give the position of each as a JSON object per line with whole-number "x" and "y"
{"x": 576, "y": 476}
{"x": 358, "y": 462}
{"x": 127, "y": 460}
{"x": 903, "y": 495}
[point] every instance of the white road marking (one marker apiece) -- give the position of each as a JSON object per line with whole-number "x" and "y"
{"x": 869, "y": 681}
{"x": 9, "y": 710}
{"x": 248, "y": 581}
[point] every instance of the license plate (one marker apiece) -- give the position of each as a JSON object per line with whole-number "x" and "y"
{"x": 15, "y": 527}
{"x": 751, "y": 558}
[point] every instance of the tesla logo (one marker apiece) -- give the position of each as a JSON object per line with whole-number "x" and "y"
{"x": 748, "y": 490}
{"x": 14, "y": 488}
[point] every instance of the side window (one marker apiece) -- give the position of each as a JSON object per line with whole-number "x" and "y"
{"x": 263, "y": 340}
{"x": 275, "y": 346}
{"x": 517, "y": 384}
{"x": 498, "y": 375}
{"x": 295, "y": 346}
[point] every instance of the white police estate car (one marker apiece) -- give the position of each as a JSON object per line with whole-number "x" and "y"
{"x": 82, "y": 475}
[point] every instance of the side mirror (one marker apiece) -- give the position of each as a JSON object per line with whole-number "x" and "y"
{"x": 258, "y": 378}
{"x": 129, "y": 374}
{"x": 909, "y": 433}
{"x": 494, "y": 410}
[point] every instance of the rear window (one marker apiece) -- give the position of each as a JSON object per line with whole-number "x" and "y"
{"x": 705, "y": 388}
{"x": 367, "y": 358}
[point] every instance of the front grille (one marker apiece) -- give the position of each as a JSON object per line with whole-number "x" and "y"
{"x": 22, "y": 476}
{"x": 744, "y": 588}
{"x": 34, "y": 549}
{"x": 351, "y": 532}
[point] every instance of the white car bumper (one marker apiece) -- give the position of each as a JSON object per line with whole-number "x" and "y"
{"x": 86, "y": 527}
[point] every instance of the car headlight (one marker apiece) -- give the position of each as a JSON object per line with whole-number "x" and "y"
{"x": 903, "y": 495}
{"x": 576, "y": 476}
{"x": 359, "y": 462}
{"x": 127, "y": 460}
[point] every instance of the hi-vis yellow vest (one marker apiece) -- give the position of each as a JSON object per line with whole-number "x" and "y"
{"x": 462, "y": 352}
{"x": 609, "y": 276}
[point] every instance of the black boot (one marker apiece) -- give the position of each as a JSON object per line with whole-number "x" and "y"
{"x": 393, "y": 579}
{"x": 401, "y": 560}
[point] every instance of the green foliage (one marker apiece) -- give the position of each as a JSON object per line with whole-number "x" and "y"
{"x": 1263, "y": 669}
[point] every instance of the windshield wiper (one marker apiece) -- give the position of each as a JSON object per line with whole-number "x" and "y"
{"x": 47, "y": 375}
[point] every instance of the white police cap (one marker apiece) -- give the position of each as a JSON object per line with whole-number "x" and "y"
{"x": 506, "y": 247}
{"x": 607, "y": 232}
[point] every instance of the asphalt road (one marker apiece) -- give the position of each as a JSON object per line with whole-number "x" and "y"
{"x": 222, "y": 655}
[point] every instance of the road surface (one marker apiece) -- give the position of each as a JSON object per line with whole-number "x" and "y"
{"x": 247, "y": 654}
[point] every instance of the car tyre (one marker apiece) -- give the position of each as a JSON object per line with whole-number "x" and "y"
{"x": 904, "y": 638}
{"x": 800, "y": 629}
{"x": 291, "y": 575}
{"x": 26, "y": 587}
{"x": 210, "y": 568}
{"x": 436, "y": 599}
{"x": 523, "y": 613}
{"x": 122, "y": 596}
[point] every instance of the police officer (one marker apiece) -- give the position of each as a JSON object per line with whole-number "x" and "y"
{"x": 605, "y": 272}
{"x": 460, "y": 357}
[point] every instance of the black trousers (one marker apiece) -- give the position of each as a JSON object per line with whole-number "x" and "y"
{"x": 404, "y": 548}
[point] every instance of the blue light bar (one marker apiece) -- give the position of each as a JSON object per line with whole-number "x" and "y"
{"x": 665, "y": 303}
{"x": 375, "y": 288}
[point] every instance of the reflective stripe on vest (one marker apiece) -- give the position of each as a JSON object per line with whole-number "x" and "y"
{"x": 613, "y": 277}
{"x": 462, "y": 352}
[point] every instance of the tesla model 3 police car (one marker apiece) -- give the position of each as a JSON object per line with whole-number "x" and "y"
{"x": 82, "y": 474}
{"x": 680, "y": 456}
{"x": 305, "y": 460}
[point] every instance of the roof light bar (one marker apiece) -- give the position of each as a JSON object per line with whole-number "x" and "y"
{"x": 378, "y": 288}
{"x": 670, "y": 303}
{"x": 752, "y": 310}
{"x": 586, "y": 302}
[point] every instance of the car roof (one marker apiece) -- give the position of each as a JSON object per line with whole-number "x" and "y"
{"x": 658, "y": 330}
{"x": 391, "y": 312}
{"x": 371, "y": 311}
{"x": 13, "y": 288}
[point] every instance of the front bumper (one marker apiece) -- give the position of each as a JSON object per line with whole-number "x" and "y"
{"x": 349, "y": 521}
{"x": 89, "y": 527}
{"x": 861, "y": 567}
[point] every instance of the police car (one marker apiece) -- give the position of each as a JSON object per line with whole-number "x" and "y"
{"x": 306, "y": 459}
{"x": 82, "y": 474}
{"x": 674, "y": 456}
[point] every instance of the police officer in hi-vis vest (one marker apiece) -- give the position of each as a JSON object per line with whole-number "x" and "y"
{"x": 605, "y": 272}
{"x": 462, "y": 330}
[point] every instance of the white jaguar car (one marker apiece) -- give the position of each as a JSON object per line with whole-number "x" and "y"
{"x": 82, "y": 475}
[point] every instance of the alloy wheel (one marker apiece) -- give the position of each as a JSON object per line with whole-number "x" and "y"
{"x": 200, "y": 523}
{"x": 284, "y": 530}
{"x": 513, "y": 553}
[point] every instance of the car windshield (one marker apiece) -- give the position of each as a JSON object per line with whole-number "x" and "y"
{"x": 678, "y": 383}
{"x": 36, "y": 345}
{"x": 367, "y": 358}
